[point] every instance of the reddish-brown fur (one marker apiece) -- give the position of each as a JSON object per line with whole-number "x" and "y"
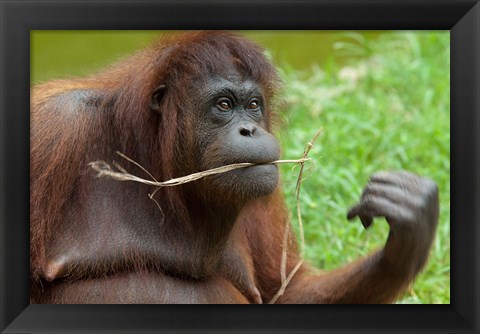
{"x": 103, "y": 241}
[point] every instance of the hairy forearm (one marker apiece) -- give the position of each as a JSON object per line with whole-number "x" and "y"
{"x": 369, "y": 280}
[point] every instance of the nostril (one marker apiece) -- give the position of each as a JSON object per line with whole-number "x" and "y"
{"x": 247, "y": 132}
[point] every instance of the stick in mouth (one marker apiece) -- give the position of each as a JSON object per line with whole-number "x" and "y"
{"x": 104, "y": 169}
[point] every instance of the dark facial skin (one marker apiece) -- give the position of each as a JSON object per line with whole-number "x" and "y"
{"x": 232, "y": 129}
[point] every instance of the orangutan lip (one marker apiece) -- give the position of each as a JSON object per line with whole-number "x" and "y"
{"x": 255, "y": 162}
{"x": 261, "y": 166}
{"x": 262, "y": 162}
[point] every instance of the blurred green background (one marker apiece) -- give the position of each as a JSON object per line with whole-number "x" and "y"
{"x": 381, "y": 98}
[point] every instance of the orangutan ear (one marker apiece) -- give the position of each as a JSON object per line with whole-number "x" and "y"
{"x": 157, "y": 98}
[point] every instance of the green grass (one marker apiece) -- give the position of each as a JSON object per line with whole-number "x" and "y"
{"x": 382, "y": 100}
{"x": 387, "y": 110}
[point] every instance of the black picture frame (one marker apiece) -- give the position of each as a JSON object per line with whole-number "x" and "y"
{"x": 461, "y": 17}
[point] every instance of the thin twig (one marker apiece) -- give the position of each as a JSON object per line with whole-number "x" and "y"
{"x": 283, "y": 265}
{"x": 121, "y": 174}
{"x": 137, "y": 164}
{"x": 104, "y": 169}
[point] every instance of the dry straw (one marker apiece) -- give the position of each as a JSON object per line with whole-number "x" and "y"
{"x": 103, "y": 169}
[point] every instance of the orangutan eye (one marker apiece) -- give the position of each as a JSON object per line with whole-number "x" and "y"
{"x": 253, "y": 105}
{"x": 224, "y": 104}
